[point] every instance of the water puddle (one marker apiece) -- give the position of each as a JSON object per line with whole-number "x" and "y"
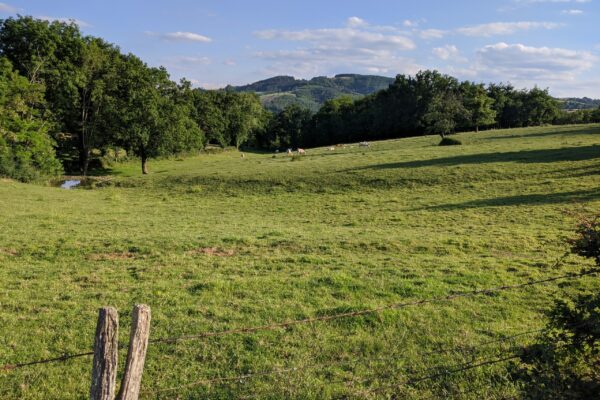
{"x": 70, "y": 184}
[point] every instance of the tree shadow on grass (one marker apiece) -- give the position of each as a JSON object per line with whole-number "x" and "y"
{"x": 525, "y": 199}
{"x": 591, "y": 131}
{"x": 526, "y": 156}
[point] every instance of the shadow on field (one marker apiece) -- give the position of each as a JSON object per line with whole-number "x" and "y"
{"x": 590, "y": 131}
{"x": 525, "y": 156}
{"x": 526, "y": 199}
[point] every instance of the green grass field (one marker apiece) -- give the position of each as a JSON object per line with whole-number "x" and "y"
{"x": 217, "y": 242}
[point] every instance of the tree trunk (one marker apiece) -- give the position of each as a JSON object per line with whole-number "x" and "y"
{"x": 477, "y": 128}
{"x": 144, "y": 164}
{"x": 84, "y": 159}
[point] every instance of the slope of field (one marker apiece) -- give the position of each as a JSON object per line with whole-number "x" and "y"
{"x": 219, "y": 242}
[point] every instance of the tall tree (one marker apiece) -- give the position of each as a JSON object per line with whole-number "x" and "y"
{"x": 26, "y": 149}
{"x": 444, "y": 113}
{"x": 479, "y": 105}
{"x": 152, "y": 121}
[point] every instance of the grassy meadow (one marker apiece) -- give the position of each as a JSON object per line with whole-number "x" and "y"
{"x": 217, "y": 242}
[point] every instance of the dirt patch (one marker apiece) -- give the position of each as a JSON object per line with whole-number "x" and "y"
{"x": 213, "y": 251}
{"x": 9, "y": 252}
{"x": 125, "y": 255}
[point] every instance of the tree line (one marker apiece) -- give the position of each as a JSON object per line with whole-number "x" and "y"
{"x": 65, "y": 96}
{"x": 427, "y": 103}
{"x": 66, "y": 99}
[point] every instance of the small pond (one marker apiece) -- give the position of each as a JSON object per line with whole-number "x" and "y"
{"x": 70, "y": 184}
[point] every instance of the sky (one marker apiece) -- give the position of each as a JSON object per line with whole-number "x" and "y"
{"x": 553, "y": 44}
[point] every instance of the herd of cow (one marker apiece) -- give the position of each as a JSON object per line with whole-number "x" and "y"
{"x": 302, "y": 152}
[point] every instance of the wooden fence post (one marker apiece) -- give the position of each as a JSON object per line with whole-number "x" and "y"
{"x": 136, "y": 355}
{"x": 106, "y": 351}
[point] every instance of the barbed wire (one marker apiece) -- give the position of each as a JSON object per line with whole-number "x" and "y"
{"x": 349, "y": 314}
{"x": 445, "y": 370}
{"x": 65, "y": 357}
{"x": 447, "y": 298}
{"x": 211, "y": 381}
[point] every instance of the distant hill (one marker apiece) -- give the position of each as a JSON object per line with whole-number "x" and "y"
{"x": 278, "y": 92}
{"x": 575, "y": 103}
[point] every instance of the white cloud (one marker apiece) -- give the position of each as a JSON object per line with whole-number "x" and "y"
{"x": 358, "y": 47}
{"x": 447, "y": 52}
{"x": 341, "y": 37}
{"x": 354, "y": 22}
{"x": 80, "y": 23}
{"x": 572, "y": 12}
{"x": 518, "y": 62}
{"x": 312, "y": 62}
{"x": 181, "y": 37}
{"x": 505, "y": 28}
{"x": 432, "y": 33}
{"x": 7, "y": 8}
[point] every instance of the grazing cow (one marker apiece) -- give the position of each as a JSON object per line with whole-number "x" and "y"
{"x": 364, "y": 144}
{"x": 301, "y": 151}
{"x": 331, "y": 148}
{"x": 289, "y": 152}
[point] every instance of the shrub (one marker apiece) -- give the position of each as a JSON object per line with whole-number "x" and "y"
{"x": 587, "y": 242}
{"x": 565, "y": 361}
{"x": 447, "y": 141}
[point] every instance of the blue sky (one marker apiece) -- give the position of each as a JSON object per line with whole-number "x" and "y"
{"x": 551, "y": 43}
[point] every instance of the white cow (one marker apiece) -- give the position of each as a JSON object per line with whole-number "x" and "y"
{"x": 301, "y": 151}
{"x": 364, "y": 144}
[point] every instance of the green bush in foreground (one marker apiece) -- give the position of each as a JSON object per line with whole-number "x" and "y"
{"x": 565, "y": 363}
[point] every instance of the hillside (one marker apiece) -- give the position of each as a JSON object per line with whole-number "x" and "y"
{"x": 278, "y": 92}
{"x": 576, "y": 103}
{"x": 217, "y": 242}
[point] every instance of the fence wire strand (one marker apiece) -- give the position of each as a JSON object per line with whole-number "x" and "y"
{"x": 287, "y": 324}
{"x": 376, "y": 310}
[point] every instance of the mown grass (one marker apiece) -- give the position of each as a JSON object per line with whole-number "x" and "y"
{"x": 217, "y": 242}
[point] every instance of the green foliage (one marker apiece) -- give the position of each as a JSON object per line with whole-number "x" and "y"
{"x": 443, "y": 113}
{"x": 428, "y": 103}
{"x": 153, "y": 119}
{"x": 228, "y": 118}
{"x": 26, "y": 149}
{"x": 564, "y": 362}
{"x": 449, "y": 141}
{"x": 285, "y": 129}
{"x": 279, "y": 92}
{"x": 587, "y": 241}
{"x": 575, "y": 103}
{"x": 478, "y": 104}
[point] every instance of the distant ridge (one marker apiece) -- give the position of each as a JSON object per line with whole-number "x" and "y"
{"x": 577, "y": 103}
{"x": 281, "y": 91}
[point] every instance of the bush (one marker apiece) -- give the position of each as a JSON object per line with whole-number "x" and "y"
{"x": 447, "y": 141}
{"x": 565, "y": 361}
{"x": 587, "y": 242}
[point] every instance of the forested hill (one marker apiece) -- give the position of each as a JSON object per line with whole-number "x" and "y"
{"x": 576, "y": 103}
{"x": 278, "y": 92}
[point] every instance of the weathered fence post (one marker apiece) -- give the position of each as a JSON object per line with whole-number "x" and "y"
{"x": 136, "y": 355}
{"x": 106, "y": 351}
